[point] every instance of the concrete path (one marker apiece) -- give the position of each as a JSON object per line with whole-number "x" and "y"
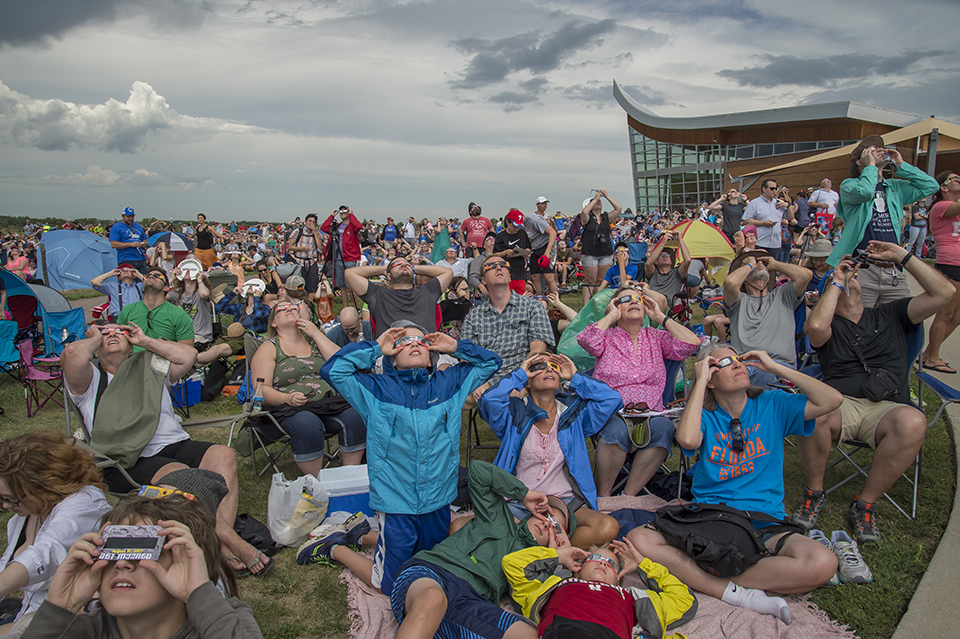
{"x": 87, "y": 304}
{"x": 934, "y": 610}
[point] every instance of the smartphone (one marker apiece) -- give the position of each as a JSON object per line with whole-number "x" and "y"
{"x": 132, "y": 543}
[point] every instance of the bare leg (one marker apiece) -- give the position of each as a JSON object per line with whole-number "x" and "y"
{"x": 610, "y": 458}
{"x": 357, "y": 564}
{"x": 521, "y": 630}
{"x": 593, "y": 528}
{"x": 352, "y": 459}
{"x": 589, "y": 282}
{"x": 802, "y": 565}
{"x": 423, "y": 610}
{"x": 652, "y": 544}
{"x": 815, "y": 449}
{"x": 645, "y": 465}
{"x": 900, "y": 435}
{"x": 459, "y": 523}
{"x": 942, "y": 327}
{"x": 551, "y": 281}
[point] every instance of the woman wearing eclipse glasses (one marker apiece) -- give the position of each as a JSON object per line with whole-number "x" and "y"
{"x": 630, "y": 358}
{"x": 543, "y": 437}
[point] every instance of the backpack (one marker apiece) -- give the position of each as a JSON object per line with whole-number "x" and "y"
{"x": 721, "y": 540}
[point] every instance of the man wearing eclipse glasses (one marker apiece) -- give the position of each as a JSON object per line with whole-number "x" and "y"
{"x": 738, "y": 430}
{"x": 159, "y": 318}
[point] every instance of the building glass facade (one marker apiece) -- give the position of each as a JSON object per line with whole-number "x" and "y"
{"x": 684, "y": 175}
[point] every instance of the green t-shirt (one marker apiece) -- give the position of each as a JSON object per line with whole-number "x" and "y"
{"x": 167, "y": 321}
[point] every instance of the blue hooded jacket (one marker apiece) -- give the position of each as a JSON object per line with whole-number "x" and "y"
{"x": 413, "y": 420}
{"x": 587, "y": 410}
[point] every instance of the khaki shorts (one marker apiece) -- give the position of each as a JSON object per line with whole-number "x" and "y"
{"x": 860, "y": 417}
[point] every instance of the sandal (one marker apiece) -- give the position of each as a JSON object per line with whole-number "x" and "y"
{"x": 267, "y": 561}
{"x": 942, "y": 367}
{"x": 239, "y": 573}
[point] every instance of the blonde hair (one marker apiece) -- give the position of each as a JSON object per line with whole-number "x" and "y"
{"x": 709, "y": 401}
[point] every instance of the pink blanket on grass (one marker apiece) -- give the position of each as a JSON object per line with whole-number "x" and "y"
{"x": 372, "y": 618}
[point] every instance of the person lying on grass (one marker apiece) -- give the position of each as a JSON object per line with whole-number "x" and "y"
{"x": 174, "y": 596}
{"x": 591, "y": 602}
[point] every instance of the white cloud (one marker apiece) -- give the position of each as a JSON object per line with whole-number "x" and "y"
{"x": 59, "y": 125}
{"x": 97, "y": 177}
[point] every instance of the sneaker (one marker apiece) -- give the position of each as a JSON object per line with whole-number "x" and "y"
{"x": 853, "y": 569}
{"x": 808, "y": 512}
{"x": 863, "y": 519}
{"x": 355, "y": 527}
{"x": 317, "y": 550}
{"x": 820, "y": 538}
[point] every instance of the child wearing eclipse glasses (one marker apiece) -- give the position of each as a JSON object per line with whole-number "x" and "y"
{"x": 412, "y": 413}
{"x": 584, "y": 597}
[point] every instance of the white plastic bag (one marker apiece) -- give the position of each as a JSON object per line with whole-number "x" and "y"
{"x": 294, "y": 508}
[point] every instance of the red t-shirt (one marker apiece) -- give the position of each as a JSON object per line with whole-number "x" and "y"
{"x": 592, "y": 601}
{"x": 476, "y": 229}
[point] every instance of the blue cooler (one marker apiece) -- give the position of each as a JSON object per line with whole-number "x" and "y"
{"x": 348, "y": 489}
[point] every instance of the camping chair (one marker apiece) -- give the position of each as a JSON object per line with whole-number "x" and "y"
{"x": 40, "y": 379}
{"x": 9, "y": 354}
{"x": 849, "y": 449}
{"x": 61, "y": 328}
{"x": 473, "y": 435}
{"x": 638, "y": 253}
{"x": 23, "y": 308}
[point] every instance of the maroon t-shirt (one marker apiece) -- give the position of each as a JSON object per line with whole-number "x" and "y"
{"x": 591, "y": 601}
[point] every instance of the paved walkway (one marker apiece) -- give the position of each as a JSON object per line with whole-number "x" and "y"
{"x": 934, "y": 610}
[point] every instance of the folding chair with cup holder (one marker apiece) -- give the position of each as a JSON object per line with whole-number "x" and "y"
{"x": 42, "y": 379}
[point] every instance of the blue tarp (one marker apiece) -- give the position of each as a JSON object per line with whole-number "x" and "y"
{"x": 73, "y": 258}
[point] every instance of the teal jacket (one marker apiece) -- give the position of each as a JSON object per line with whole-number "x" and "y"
{"x": 474, "y": 552}
{"x": 856, "y": 203}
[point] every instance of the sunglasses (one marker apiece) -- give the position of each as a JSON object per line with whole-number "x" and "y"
{"x": 410, "y": 339}
{"x": 955, "y": 178}
{"x": 602, "y": 559}
{"x": 736, "y": 429}
{"x": 489, "y": 266}
{"x": 625, "y": 299}
{"x": 115, "y": 331}
{"x": 539, "y": 366}
{"x": 262, "y": 271}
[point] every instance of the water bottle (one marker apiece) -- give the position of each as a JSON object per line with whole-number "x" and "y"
{"x": 256, "y": 403}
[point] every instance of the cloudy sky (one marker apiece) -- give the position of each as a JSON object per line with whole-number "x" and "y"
{"x": 267, "y": 109}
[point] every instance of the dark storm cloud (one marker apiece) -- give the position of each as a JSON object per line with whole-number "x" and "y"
{"x": 35, "y": 21}
{"x": 494, "y": 60}
{"x": 780, "y": 70}
{"x": 937, "y": 98}
{"x": 515, "y": 100}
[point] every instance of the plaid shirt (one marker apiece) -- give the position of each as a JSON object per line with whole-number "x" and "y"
{"x": 510, "y": 333}
{"x": 237, "y": 306}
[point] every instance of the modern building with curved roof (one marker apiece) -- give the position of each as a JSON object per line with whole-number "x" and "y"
{"x": 682, "y": 161}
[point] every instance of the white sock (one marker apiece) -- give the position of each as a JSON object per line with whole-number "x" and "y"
{"x": 756, "y": 600}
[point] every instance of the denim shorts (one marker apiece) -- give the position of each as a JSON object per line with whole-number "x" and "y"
{"x": 661, "y": 433}
{"x": 589, "y": 261}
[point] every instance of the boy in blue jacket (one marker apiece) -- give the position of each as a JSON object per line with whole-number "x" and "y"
{"x": 412, "y": 412}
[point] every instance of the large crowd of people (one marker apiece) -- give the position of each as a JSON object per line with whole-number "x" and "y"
{"x": 458, "y": 315}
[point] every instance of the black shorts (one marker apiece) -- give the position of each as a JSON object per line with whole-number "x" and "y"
{"x": 187, "y": 452}
{"x": 952, "y": 272}
{"x": 311, "y": 278}
{"x": 535, "y": 268}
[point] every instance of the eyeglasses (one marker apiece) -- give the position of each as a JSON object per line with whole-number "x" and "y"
{"x": 489, "y": 266}
{"x": 736, "y": 429}
{"x": 10, "y": 500}
{"x": 626, "y": 299}
{"x": 410, "y": 339}
{"x": 729, "y": 361}
{"x": 602, "y": 559}
{"x": 539, "y": 366}
{"x": 115, "y": 331}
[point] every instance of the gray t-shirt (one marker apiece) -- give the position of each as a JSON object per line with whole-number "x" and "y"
{"x": 668, "y": 284}
{"x": 417, "y": 304}
{"x": 199, "y": 311}
{"x": 732, "y": 215}
{"x": 536, "y": 228}
{"x": 766, "y": 323}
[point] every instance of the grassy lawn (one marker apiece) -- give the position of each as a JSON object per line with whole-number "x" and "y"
{"x": 80, "y": 294}
{"x": 301, "y": 602}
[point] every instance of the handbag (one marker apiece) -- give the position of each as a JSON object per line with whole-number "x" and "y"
{"x": 880, "y": 384}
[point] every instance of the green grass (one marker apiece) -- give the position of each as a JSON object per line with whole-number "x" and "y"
{"x": 80, "y": 294}
{"x": 308, "y": 602}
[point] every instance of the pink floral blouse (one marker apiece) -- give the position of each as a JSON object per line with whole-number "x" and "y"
{"x": 636, "y": 372}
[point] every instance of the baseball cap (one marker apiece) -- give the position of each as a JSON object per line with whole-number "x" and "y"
{"x": 126, "y": 265}
{"x": 128, "y": 211}
{"x": 294, "y": 283}
{"x": 541, "y": 200}
{"x": 515, "y": 216}
{"x": 870, "y": 140}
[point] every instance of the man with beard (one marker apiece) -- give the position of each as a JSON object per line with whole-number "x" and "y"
{"x": 473, "y": 230}
{"x": 157, "y": 317}
{"x": 400, "y": 299}
{"x": 761, "y": 316}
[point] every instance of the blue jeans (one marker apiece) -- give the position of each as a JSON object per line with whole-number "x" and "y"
{"x": 308, "y": 431}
